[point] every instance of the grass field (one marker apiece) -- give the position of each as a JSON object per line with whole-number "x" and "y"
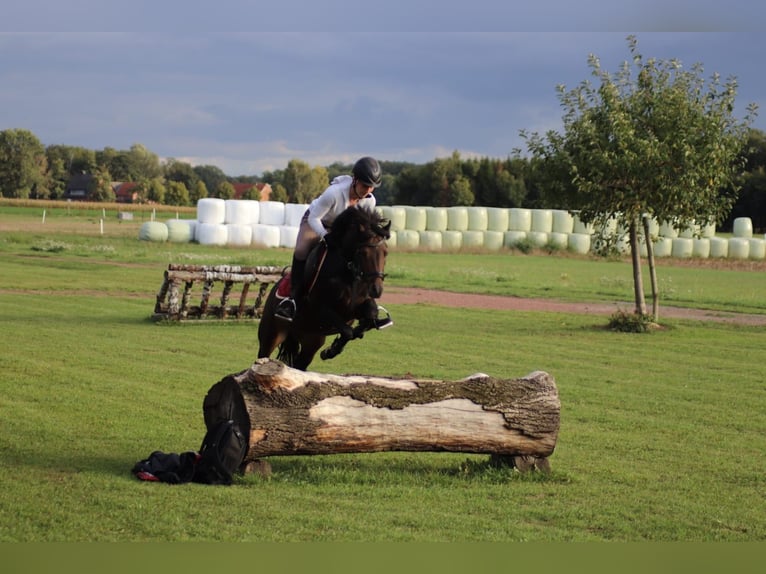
{"x": 662, "y": 434}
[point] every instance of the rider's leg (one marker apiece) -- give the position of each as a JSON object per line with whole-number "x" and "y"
{"x": 286, "y": 307}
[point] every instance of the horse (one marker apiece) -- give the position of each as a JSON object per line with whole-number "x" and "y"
{"x": 343, "y": 279}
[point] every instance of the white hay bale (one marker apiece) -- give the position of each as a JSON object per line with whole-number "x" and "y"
{"x": 498, "y": 219}
{"x": 682, "y": 247}
{"x": 265, "y": 235}
{"x": 180, "y": 230}
{"x": 514, "y": 236}
{"x": 701, "y": 247}
{"x": 239, "y": 234}
{"x": 579, "y": 242}
{"x": 493, "y": 240}
{"x": 436, "y": 218}
{"x": 542, "y": 220}
{"x": 391, "y": 241}
{"x": 254, "y": 207}
{"x": 719, "y": 247}
{"x": 294, "y": 212}
{"x": 708, "y": 230}
{"x": 457, "y": 218}
{"x": 537, "y": 238}
{"x": 743, "y": 227}
{"x": 689, "y": 232}
{"x": 452, "y": 240}
{"x": 396, "y": 214}
{"x": 211, "y": 210}
{"x": 757, "y": 248}
{"x": 415, "y": 217}
{"x": 579, "y": 227}
{"x": 430, "y": 240}
{"x": 238, "y": 212}
{"x": 477, "y": 218}
{"x": 739, "y": 248}
{"x": 560, "y": 240}
{"x": 212, "y": 234}
{"x": 667, "y": 229}
{"x": 288, "y": 235}
{"x": 407, "y": 239}
{"x": 663, "y": 247}
{"x": 519, "y": 219}
{"x": 473, "y": 238}
{"x": 563, "y": 221}
{"x": 271, "y": 213}
{"x": 154, "y": 231}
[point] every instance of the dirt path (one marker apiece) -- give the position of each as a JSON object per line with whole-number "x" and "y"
{"x": 411, "y": 296}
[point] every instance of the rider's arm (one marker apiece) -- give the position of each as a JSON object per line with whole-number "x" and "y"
{"x": 320, "y": 207}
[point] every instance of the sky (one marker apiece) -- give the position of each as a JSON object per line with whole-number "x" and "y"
{"x": 248, "y": 88}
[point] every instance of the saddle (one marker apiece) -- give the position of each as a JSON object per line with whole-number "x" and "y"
{"x": 313, "y": 266}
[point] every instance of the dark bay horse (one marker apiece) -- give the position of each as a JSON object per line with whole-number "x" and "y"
{"x": 344, "y": 277}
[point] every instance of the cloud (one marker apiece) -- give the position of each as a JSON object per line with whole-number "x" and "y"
{"x": 250, "y": 102}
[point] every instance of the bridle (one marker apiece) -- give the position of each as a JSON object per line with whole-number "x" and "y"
{"x": 354, "y": 266}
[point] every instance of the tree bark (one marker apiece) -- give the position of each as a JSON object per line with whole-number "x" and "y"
{"x": 638, "y": 281}
{"x": 289, "y": 412}
{"x": 652, "y": 270}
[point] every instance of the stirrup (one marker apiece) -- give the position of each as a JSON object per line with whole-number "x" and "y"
{"x": 286, "y": 309}
{"x": 387, "y": 321}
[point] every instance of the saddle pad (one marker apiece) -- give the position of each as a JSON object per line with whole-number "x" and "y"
{"x": 283, "y": 288}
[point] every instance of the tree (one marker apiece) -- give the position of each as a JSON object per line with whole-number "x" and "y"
{"x": 302, "y": 182}
{"x": 225, "y": 190}
{"x": 181, "y": 171}
{"x": 751, "y": 201}
{"x": 155, "y": 191}
{"x": 199, "y": 191}
{"x": 661, "y": 144}
{"x": 176, "y": 194}
{"x": 65, "y": 161}
{"x": 279, "y": 193}
{"x": 23, "y": 165}
{"x": 211, "y": 175}
{"x": 100, "y": 186}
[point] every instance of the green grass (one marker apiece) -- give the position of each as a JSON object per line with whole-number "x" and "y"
{"x": 661, "y": 434}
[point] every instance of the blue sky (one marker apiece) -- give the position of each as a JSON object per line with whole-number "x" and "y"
{"x": 414, "y": 88}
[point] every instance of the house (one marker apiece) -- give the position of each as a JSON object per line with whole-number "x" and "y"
{"x": 78, "y": 186}
{"x": 125, "y": 191}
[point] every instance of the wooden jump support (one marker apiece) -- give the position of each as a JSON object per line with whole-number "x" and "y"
{"x": 174, "y": 297}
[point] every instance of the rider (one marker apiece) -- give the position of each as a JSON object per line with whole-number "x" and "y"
{"x": 343, "y": 192}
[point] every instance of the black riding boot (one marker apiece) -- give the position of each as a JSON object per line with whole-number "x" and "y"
{"x": 286, "y": 308}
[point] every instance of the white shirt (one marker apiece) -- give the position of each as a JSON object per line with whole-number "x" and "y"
{"x": 334, "y": 201}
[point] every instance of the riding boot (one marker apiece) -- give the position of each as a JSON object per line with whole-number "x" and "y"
{"x": 286, "y": 308}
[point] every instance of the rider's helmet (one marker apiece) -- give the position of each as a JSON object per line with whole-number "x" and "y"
{"x": 367, "y": 170}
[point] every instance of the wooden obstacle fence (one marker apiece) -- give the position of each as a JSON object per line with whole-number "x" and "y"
{"x": 227, "y": 292}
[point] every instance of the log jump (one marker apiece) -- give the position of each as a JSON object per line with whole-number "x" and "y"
{"x": 174, "y": 298}
{"x": 289, "y": 412}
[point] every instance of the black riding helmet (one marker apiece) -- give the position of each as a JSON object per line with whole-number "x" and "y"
{"x": 367, "y": 170}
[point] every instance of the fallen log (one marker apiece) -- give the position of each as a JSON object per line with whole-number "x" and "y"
{"x": 289, "y": 412}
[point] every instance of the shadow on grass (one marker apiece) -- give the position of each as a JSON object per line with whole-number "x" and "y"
{"x": 400, "y": 468}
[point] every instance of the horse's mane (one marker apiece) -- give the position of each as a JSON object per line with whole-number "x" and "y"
{"x": 362, "y": 216}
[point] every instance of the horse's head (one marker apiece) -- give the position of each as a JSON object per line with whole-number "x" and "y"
{"x": 363, "y": 234}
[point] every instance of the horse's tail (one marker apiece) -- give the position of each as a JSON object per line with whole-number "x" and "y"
{"x": 288, "y": 350}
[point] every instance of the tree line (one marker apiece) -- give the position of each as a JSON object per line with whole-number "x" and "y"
{"x": 30, "y": 170}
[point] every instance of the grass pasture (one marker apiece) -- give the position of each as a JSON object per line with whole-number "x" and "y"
{"x": 663, "y": 435}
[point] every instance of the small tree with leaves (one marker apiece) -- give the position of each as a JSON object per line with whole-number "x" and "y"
{"x": 652, "y": 141}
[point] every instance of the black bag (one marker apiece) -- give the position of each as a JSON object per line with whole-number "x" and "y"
{"x": 167, "y": 467}
{"x": 221, "y": 454}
